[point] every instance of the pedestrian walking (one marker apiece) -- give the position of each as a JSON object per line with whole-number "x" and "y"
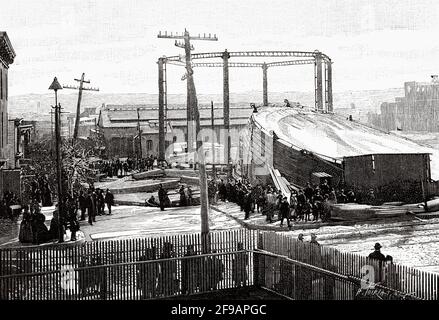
{"x": 284, "y": 209}
{"x": 109, "y": 200}
{"x": 162, "y": 197}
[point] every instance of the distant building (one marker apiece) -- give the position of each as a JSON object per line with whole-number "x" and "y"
{"x": 118, "y": 124}
{"x": 418, "y": 110}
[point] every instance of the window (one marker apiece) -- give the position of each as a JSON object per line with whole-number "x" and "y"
{"x": 149, "y": 145}
{"x": 373, "y": 164}
{"x": 262, "y": 144}
{"x": 174, "y": 139}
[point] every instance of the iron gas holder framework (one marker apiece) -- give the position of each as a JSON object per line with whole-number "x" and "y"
{"x": 323, "y": 93}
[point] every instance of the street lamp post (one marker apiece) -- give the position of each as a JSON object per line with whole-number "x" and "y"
{"x": 56, "y": 86}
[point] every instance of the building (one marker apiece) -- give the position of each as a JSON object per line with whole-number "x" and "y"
{"x": 418, "y": 110}
{"x": 119, "y": 126}
{"x": 8, "y": 176}
{"x": 305, "y": 145}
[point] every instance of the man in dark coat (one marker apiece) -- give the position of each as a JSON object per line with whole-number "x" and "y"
{"x": 222, "y": 190}
{"x": 71, "y": 218}
{"x": 99, "y": 202}
{"x": 378, "y": 256}
{"x": 317, "y": 205}
{"x": 285, "y": 212}
{"x": 314, "y": 239}
{"x": 183, "y": 201}
{"x": 309, "y": 192}
{"x": 109, "y": 200}
{"x": 162, "y": 197}
{"x": 91, "y": 208}
{"x": 247, "y": 204}
{"x": 325, "y": 188}
{"x": 82, "y": 204}
{"x": 301, "y": 202}
{"x": 47, "y": 194}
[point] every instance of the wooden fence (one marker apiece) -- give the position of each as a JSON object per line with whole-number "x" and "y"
{"x": 145, "y": 279}
{"x": 54, "y": 257}
{"x": 119, "y": 269}
{"x": 354, "y": 272}
{"x": 176, "y": 265}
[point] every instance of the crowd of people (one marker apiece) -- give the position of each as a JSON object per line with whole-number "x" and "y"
{"x": 309, "y": 204}
{"x": 120, "y": 168}
{"x": 90, "y": 202}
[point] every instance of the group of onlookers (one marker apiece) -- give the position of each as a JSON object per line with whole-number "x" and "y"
{"x": 120, "y": 168}
{"x": 91, "y": 202}
{"x": 312, "y": 203}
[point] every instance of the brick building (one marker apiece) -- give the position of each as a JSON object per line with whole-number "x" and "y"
{"x": 118, "y": 124}
{"x": 418, "y": 110}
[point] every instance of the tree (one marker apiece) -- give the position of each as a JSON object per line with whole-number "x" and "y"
{"x": 76, "y": 164}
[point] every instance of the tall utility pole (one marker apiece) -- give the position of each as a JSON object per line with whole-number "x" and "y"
{"x": 161, "y": 83}
{"x": 139, "y": 134}
{"x": 51, "y": 131}
{"x": 226, "y": 109}
{"x": 213, "y": 139}
{"x": 193, "y": 108}
{"x": 78, "y": 106}
{"x": 56, "y": 86}
{"x": 59, "y": 169}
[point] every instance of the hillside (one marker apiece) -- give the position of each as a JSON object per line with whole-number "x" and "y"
{"x": 37, "y": 106}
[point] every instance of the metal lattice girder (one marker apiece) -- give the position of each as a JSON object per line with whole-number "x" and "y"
{"x": 298, "y": 54}
{"x": 177, "y": 63}
{"x": 231, "y": 64}
{"x": 254, "y": 65}
{"x": 290, "y": 63}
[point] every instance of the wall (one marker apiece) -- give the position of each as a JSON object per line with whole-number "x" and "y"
{"x": 122, "y": 145}
{"x": 10, "y": 180}
{"x": 393, "y": 177}
{"x": 3, "y": 111}
{"x": 297, "y": 167}
{"x": 418, "y": 110}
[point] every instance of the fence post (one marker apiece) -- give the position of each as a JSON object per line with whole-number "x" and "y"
{"x": 258, "y": 263}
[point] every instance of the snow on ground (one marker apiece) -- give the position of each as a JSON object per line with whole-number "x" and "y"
{"x": 411, "y": 243}
{"x": 335, "y": 136}
{"x": 134, "y": 221}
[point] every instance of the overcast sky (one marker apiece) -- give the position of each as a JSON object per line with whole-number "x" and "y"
{"x": 373, "y": 44}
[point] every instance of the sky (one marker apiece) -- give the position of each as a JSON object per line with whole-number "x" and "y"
{"x": 373, "y": 44}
